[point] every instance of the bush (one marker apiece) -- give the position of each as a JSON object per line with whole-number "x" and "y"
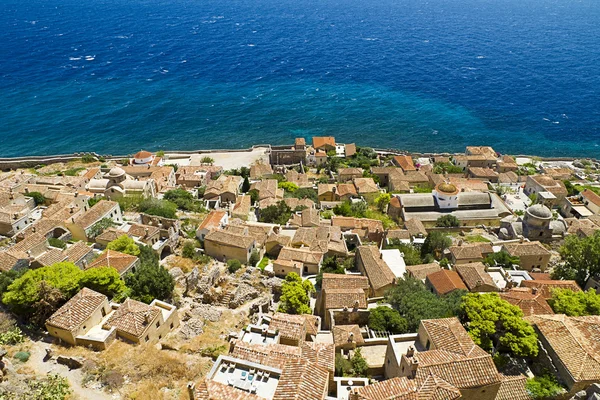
{"x": 295, "y": 295}
{"x": 447, "y": 221}
{"x": 233, "y": 266}
{"x": 278, "y": 213}
{"x": 38, "y": 198}
{"x": 543, "y": 387}
{"x": 343, "y": 366}
{"x": 288, "y": 186}
{"x": 359, "y": 364}
{"x": 88, "y": 158}
{"x": 207, "y": 160}
{"x": 263, "y": 263}
{"x": 189, "y": 250}
{"x": 12, "y": 336}
{"x": 99, "y": 227}
{"x": 150, "y": 280}
{"x": 124, "y": 244}
{"x": 385, "y": 319}
{"x": 184, "y": 200}
{"x": 54, "y": 387}
{"x": 160, "y": 208}
{"x": 22, "y": 356}
{"x": 306, "y": 193}
{"x": 254, "y": 258}
{"x": 54, "y": 242}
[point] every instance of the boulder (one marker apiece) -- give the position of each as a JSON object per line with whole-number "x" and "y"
{"x": 191, "y": 328}
{"x": 176, "y": 272}
{"x": 192, "y": 278}
{"x": 71, "y": 362}
{"x": 206, "y": 312}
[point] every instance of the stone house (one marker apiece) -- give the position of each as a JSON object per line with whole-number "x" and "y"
{"x": 530, "y": 301}
{"x": 225, "y": 189}
{"x": 81, "y": 224}
{"x": 224, "y": 245}
{"x": 444, "y": 281}
{"x": 476, "y": 278}
{"x": 531, "y": 254}
{"x": 405, "y": 162}
{"x": 546, "y": 287}
{"x": 348, "y": 174}
{"x": 325, "y": 143}
{"x": 302, "y": 261}
{"x": 123, "y": 263}
{"x": 370, "y": 262}
{"x": 215, "y": 220}
{"x": 466, "y": 253}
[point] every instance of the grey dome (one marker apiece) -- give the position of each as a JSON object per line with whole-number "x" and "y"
{"x": 539, "y": 211}
{"x": 116, "y": 172}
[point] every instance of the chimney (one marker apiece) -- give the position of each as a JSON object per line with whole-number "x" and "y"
{"x": 26, "y": 190}
{"x": 71, "y": 209}
{"x": 521, "y": 240}
{"x": 33, "y": 229}
{"x": 146, "y": 232}
{"x": 478, "y": 283}
{"x": 460, "y": 242}
{"x": 410, "y": 352}
{"x": 351, "y": 337}
{"x": 191, "y": 386}
{"x": 414, "y": 365}
{"x": 76, "y": 194}
{"x": 15, "y": 216}
{"x": 534, "y": 291}
{"x": 147, "y": 318}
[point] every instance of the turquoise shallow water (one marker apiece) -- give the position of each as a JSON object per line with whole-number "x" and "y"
{"x": 115, "y": 76}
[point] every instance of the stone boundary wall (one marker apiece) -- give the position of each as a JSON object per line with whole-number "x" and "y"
{"x": 7, "y": 163}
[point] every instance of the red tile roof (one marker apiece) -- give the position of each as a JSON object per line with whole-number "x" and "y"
{"x": 445, "y": 281}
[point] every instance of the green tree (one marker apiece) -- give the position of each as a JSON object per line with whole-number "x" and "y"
{"x": 100, "y": 227}
{"x": 412, "y": 256}
{"x": 306, "y": 193}
{"x": 386, "y": 319}
{"x": 295, "y": 295}
{"x": 278, "y": 213}
{"x": 330, "y": 265}
{"x": 254, "y": 258}
{"x": 150, "y": 280}
{"x": 246, "y": 185}
{"x": 382, "y": 200}
{"x": 105, "y": 280}
{"x": 207, "y": 160}
{"x": 415, "y": 302}
{"x": 233, "y": 265}
{"x": 435, "y": 244}
{"x": 189, "y": 250}
{"x": 124, "y": 244}
{"x": 38, "y": 198}
{"x": 288, "y": 186}
{"x": 160, "y": 208}
{"x": 495, "y": 324}
{"x": 253, "y": 195}
{"x": 501, "y": 259}
{"x": 54, "y": 242}
{"x": 575, "y": 304}
{"x": 581, "y": 258}
{"x": 343, "y": 366}
{"x": 359, "y": 364}
{"x": 447, "y": 221}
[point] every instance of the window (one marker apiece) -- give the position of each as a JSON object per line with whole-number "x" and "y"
{"x": 147, "y": 338}
{"x": 84, "y": 327}
{"x": 171, "y": 325}
{"x": 103, "y": 312}
{"x": 541, "y": 233}
{"x": 428, "y": 344}
{"x": 157, "y": 324}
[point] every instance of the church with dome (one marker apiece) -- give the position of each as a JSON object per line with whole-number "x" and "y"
{"x": 471, "y": 208}
{"x": 116, "y": 184}
{"x": 537, "y": 223}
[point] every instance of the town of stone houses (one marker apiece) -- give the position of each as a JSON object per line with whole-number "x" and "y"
{"x": 317, "y": 270}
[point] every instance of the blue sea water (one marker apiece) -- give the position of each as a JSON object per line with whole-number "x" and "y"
{"x": 115, "y": 76}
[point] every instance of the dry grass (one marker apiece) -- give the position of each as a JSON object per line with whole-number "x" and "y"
{"x": 186, "y": 264}
{"x": 215, "y": 333}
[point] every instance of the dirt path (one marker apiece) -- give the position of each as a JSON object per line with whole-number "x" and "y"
{"x": 36, "y": 363}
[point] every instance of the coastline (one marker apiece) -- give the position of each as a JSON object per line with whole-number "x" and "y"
{"x": 7, "y": 163}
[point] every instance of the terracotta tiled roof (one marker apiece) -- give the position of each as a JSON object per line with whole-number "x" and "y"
{"x": 303, "y": 255}
{"x": 526, "y": 249}
{"x": 139, "y": 230}
{"x": 52, "y": 256}
{"x": 474, "y": 275}
{"x": 77, "y": 251}
{"x": 421, "y": 271}
{"x": 346, "y": 189}
{"x": 320, "y": 141}
{"x": 115, "y": 259}
{"x": 379, "y": 273}
{"x": 77, "y": 310}
{"x": 133, "y": 317}
{"x": 96, "y": 213}
{"x": 546, "y": 287}
{"x": 445, "y": 281}
{"x": 266, "y": 188}
{"x": 302, "y": 380}
{"x": 402, "y": 234}
{"x": 513, "y": 388}
{"x": 344, "y": 334}
{"x": 469, "y": 251}
{"x": 485, "y": 151}
{"x": 365, "y": 185}
{"x": 483, "y": 172}
{"x": 258, "y": 170}
{"x": 212, "y": 220}
{"x": 591, "y": 196}
{"x": 415, "y": 227}
{"x": 405, "y": 162}
{"x": 540, "y": 276}
{"x": 449, "y": 334}
{"x": 350, "y": 149}
{"x": 344, "y": 281}
{"x": 229, "y": 239}
{"x": 27, "y": 244}
{"x": 207, "y": 389}
{"x": 553, "y": 186}
{"x": 290, "y": 326}
{"x": 272, "y": 355}
{"x": 530, "y": 304}
{"x": 109, "y": 235}
{"x": 575, "y": 341}
{"x": 7, "y": 261}
{"x": 142, "y": 154}
{"x": 402, "y": 388}
{"x": 322, "y": 354}
{"x": 340, "y": 298}
{"x": 312, "y": 324}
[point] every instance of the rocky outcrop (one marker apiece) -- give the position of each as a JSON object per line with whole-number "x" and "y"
{"x": 243, "y": 294}
{"x": 71, "y": 362}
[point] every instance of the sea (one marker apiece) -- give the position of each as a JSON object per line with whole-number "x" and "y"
{"x": 117, "y": 76}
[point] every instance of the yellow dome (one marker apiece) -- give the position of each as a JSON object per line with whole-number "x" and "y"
{"x": 447, "y": 188}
